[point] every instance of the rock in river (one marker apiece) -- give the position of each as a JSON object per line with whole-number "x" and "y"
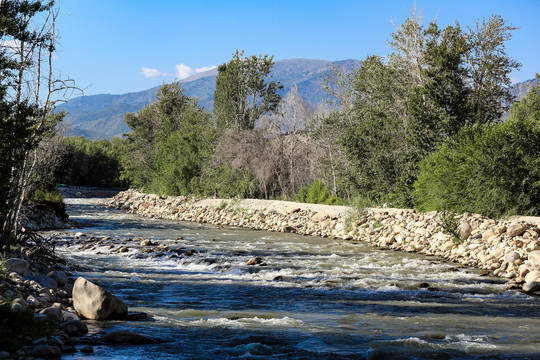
{"x": 123, "y": 336}
{"x": 95, "y": 303}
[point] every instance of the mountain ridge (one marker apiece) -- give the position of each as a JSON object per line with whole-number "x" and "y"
{"x": 101, "y": 116}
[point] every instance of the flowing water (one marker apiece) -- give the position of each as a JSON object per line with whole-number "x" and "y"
{"x": 314, "y": 298}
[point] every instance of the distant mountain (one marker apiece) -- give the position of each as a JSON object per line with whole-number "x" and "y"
{"x": 519, "y": 90}
{"x": 102, "y": 116}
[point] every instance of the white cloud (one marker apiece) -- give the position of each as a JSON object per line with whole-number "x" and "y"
{"x": 183, "y": 71}
{"x": 152, "y": 73}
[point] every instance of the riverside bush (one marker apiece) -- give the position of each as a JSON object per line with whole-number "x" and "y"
{"x": 317, "y": 193}
{"x": 491, "y": 169}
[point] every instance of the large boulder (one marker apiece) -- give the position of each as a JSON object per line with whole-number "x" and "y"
{"x": 17, "y": 265}
{"x": 95, "y": 303}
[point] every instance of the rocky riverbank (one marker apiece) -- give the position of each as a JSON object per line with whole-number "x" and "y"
{"x": 43, "y": 308}
{"x": 505, "y": 248}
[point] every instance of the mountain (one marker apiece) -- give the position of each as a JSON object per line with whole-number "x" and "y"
{"x": 519, "y": 90}
{"x": 102, "y": 116}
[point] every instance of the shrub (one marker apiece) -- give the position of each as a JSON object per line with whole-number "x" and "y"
{"x": 492, "y": 169}
{"x": 317, "y": 193}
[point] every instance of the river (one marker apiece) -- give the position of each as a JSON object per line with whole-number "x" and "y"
{"x": 313, "y": 298}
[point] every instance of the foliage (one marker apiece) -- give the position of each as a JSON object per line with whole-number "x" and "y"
{"x": 449, "y": 225}
{"x": 242, "y": 92}
{"x": 227, "y": 182}
{"x": 488, "y": 169}
{"x": 46, "y": 196}
{"x": 16, "y": 325}
{"x": 170, "y": 142}
{"x": 90, "y": 163}
{"x": 317, "y": 193}
{"x": 436, "y": 82}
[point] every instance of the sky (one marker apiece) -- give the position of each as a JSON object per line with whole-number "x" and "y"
{"x": 121, "y": 46}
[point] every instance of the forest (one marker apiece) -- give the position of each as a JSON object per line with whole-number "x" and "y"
{"x": 431, "y": 126}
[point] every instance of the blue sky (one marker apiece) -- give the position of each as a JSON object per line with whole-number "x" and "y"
{"x": 120, "y": 46}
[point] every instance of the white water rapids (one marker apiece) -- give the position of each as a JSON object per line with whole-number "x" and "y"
{"x": 313, "y": 298}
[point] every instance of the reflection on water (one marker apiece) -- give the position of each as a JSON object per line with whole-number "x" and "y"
{"x": 313, "y": 298}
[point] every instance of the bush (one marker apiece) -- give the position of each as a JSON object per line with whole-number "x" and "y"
{"x": 317, "y": 193}
{"x": 492, "y": 169}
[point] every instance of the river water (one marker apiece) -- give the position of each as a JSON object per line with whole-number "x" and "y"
{"x": 314, "y": 298}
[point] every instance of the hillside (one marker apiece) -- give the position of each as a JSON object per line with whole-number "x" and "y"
{"x": 102, "y": 116}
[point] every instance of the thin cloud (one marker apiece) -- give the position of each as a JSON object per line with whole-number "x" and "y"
{"x": 152, "y": 73}
{"x": 183, "y": 71}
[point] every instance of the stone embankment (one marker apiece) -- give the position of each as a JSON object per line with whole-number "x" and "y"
{"x": 505, "y": 248}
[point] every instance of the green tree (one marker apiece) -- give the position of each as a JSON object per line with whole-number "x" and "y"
{"x": 170, "y": 142}
{"x": 489, "y": 169}
{"x": 490, "y": 68}
{"x": 243, "y": 93}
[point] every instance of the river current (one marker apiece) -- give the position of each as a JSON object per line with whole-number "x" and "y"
{"x": 313, "y": 298}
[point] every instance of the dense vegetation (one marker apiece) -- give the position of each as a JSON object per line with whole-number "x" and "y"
{"x": 420, "y": 128}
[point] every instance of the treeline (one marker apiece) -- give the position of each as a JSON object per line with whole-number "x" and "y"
{"x": 422, "y": 127}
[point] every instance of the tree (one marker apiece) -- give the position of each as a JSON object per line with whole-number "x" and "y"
{"x": 27, "y": 84}
{"x": 170, "y": 142}
{"x": 441, "y": 106}
{"x": 490, "y": 68}
{"x": 242, "y": 92}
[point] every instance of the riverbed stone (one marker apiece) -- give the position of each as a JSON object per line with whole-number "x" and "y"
{"x": 59, "y": 276}
{"x": 534, "y": 258}
{"x": 254, "y": 261}
{"x": 43, "y": 280}
{"x": 465, "y": 230}
{"x": 17, "y": 265}
{"x": 516, "y": 229}
{"x": 53, "y": 313}
{"x": 127, "y": 337}
{"x": 530, "y": 287}
{"x": 93, "y": 302}
{"x": 532, "y": 276}
{"x": 46, "y": 352}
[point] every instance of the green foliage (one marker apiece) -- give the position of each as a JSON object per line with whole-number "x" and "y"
{"x": 376, "y": 144}
{"x": 317, "y": 193}
{"x": 46, "y": 196}
{"x": 450, "y": 225}
{"x": 488, "y": 169}
{"x": 228, "y": 182}
{"x": 242, "y": 93}
{"x": 4, "y": 273}
{"x": 16, "y": 325}
{"x": 170, "y": 143}
{"x": 91, "y": 163}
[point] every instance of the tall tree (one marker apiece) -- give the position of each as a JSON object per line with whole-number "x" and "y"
{"x": 490, "y": 68}
{"x": 243, "y": 93}
{"x": 27, "y": 83}
{"x": 170, "y": 141}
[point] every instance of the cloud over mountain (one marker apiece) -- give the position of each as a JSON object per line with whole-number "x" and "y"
{"x": 183, "y": 71}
